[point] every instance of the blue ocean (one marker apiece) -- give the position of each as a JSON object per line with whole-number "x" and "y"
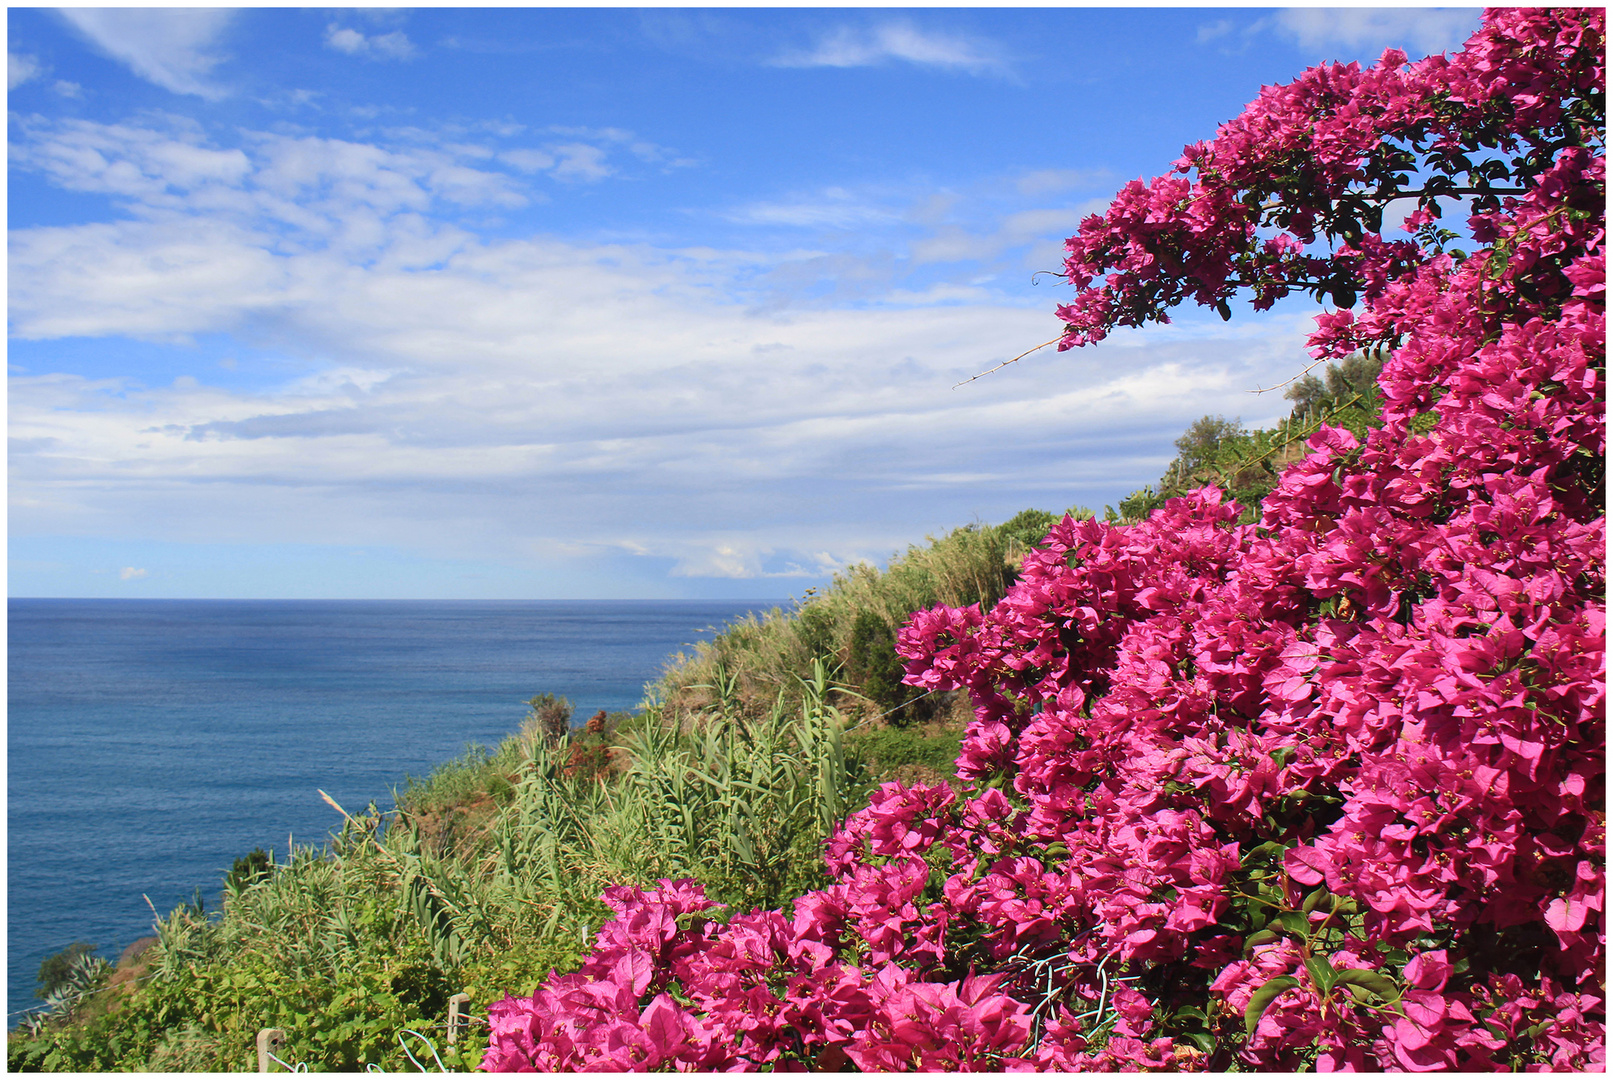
{"x": 151, "y": 742}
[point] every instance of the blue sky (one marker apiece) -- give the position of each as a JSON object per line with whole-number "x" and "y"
{"x": 594, "y": 302}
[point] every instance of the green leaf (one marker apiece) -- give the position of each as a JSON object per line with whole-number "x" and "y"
{"x": 1261, "y": 851}
{"x": 1314, "y": 899}
{"x": 1295, "y": 922}
{"x": 1372, "y": 981}
{"x": 1322, "y": 974}
{"x": 1263, "y": 998}
{"x": 1262, "y": 938}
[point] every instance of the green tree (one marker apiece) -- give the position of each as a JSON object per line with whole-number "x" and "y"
{"x": 1202, "y": 443}
{"x": 1353, "y": 380}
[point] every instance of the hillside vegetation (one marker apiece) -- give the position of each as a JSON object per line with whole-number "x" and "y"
{"x": 487, "y": 875}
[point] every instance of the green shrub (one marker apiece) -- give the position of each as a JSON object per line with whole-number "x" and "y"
{"x": 249, "y": 869}
{"x": 550, "y": 719}
{"x": 893, "y": 753}
{"x": 1247, "y": 463}
{"x": 768, "y": 655}
{"x": 57, "y": 970}
{"x": 874, "y": 666}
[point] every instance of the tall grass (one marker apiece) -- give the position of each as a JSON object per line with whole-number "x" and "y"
{"x": 348, "y": 945}
{"x": 742, "y": 802}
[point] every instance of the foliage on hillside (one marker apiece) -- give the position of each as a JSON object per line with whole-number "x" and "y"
{"x": 489, "y": 875}
{"x": 853, "y": 623}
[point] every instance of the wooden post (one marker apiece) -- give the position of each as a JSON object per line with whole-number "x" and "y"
{"x": 270, "y": 1040}
{"x": 456, "y": 1016}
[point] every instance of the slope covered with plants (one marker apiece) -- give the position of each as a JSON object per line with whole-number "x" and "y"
{"x": 489, "y": 872}
{"x": 1321, "y": 791}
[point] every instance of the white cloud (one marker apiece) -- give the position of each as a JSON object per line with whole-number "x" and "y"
{"x": 528, "y": 160}
{"x": 719, "y": 561}
{"x": 347, "y": 41}
{"x": 580, "y": 161}
{"x": 497, "y": 398}
{"x": 602, "y": 384}
{"x": 19, "y": 69}
{"x": 340, "y": 195}
{"x": 389, "y": 46}
{"x": 129, "y": 573}
{"x": 832, "y": 208}
{"x": 642, "y": 149}
{"x": 334, "y": 190}
{"x": 1048, "y": 226}
{"x": 171, "y": 47}
{"x": 1049, "y": 181}
{"x": 857, "y": 47}
{"x": 1416, "y": 30}
{"x": 68, "y": 89}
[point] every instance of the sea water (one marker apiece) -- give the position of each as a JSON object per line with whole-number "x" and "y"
{"x": 152, "y": 742}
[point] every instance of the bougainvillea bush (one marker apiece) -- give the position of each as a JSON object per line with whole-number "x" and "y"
{"x": 1324, "y": 791}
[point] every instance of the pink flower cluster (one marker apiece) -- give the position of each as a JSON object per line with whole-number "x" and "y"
{"x": 1324, "y": 791}
{"x": 669, "y": 988}
{"x": 1322, "y": 157}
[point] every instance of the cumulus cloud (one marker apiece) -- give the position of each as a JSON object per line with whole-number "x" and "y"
{"x": 338, "y": 190}
{"x": 19, "y": 69}
{"x": 129, "y": 573}
{"x": 394, "y": 45}
{"x": 1417, "y": 30}
{"x": 849, "y": 46}
{"x": 171, "y": 47}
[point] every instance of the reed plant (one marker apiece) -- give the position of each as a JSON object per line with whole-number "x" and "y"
{"x": 346, "y": 945}
{"x": 743, "y": 803}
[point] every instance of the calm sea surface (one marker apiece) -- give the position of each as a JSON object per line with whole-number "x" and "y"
{"x": 151, "y": 742}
